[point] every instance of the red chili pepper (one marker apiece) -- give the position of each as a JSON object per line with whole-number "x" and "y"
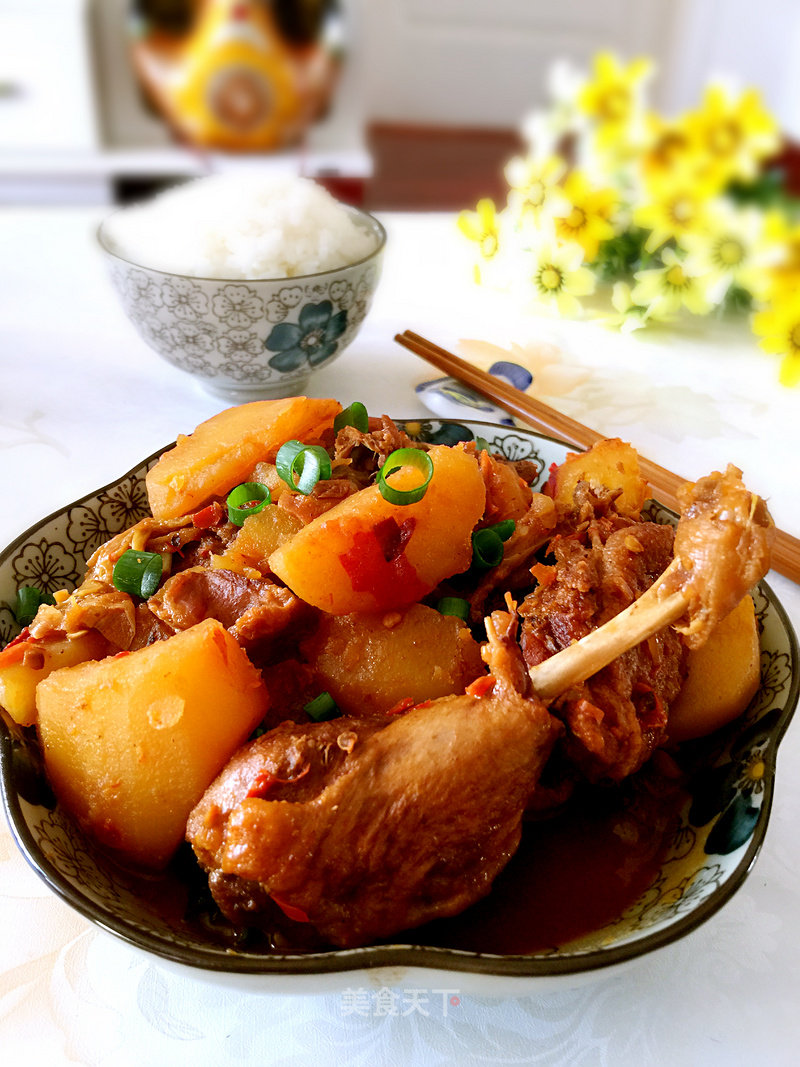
{"x": 657, "y": 715}
{"x": 16, "y": 649}
{"x": 207, "y": 516}
{"x": 481, "y": 686}
{"x": 265, "y": 780}
{"x": 401, "y": 706}
{"x": 376, "y": 563}
{"x": 549, "y": 488}
{"x": 291, "y": 911}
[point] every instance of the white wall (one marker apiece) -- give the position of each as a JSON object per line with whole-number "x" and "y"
{"x": 754, "y": 42}
{"x": 483, "y": 62}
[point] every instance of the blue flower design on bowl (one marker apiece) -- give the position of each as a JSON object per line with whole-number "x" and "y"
{"x": 734, "y": 789}
{"x": 313, "y": 339}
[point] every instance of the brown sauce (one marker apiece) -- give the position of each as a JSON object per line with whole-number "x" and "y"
{"x": 572, "y": 874}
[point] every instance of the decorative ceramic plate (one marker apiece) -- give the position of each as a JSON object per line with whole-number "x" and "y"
{"x": 713, "y": 842}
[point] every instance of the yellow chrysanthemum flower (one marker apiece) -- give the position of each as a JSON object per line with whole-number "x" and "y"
{"x": 588, "y": 219}
{"x": 735, "y": 134}
{"x": 629, "y": 315}
{"x": 559, "y": 277}
{"x": 779, "y": 330}
{"x": 666, "y": 289}
{"x": 669, "y": 146}
{"x": 784, "y": 277}
{"x": 734, "y": 247}
{"x": 534, "y": 193}
{"x": 485, "y": 226}
{"x": 612, "y": 99}
{"x": 673, "y": 207}
{"x": 482, "y": 226}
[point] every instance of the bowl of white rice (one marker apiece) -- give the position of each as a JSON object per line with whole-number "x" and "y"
{"x": 248, "y": 282}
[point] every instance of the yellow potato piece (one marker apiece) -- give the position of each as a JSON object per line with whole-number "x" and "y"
{"x": 610, "y": 464}
{"x": 366, "y": 554}
{"x": 260, "y": 535}
{"x": 25, "y": 665}
{"x": 223, "y": 450}
{"x": 131, "y": 742}
{"x": 724, "y": 676}
{"x": 370, "y": 663}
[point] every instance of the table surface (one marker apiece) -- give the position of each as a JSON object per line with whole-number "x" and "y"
{"x": 83, "y": 399}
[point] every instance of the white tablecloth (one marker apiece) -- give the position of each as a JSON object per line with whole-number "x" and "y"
{"x": 82, "y": 399}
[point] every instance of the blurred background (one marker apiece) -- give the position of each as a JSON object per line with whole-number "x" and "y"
{"x": 395, "y": 104}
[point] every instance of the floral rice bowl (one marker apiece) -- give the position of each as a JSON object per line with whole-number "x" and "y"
{"x": 248, "y": 338}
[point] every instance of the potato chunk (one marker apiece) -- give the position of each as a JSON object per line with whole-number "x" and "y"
{"x": 610, "y": 464}
{"x": 366, "y": 554}
{"x": 724, "y": 675}
{"x": 223, "y": 450}
{"x": 26, "y": 663}
{"x": 369, "y": 663}
{"x": 131, "y": 742}
{"x": 260, "y": 535}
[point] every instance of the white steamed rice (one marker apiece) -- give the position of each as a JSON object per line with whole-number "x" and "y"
{"x": 243, "y": 226}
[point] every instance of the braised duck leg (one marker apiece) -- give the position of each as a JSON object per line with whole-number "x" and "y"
{"x": 722, "y": 548}
{"x": 367, "y": 831}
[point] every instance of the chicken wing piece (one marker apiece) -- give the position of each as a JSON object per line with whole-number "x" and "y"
{"x": 388, "y": 827}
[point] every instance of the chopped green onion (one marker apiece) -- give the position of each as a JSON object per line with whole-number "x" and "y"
{"x": 307, "y": 463}
{"x": 354, "y": 415}
{"x": 247, "y": 499}
{"x": 481, "y": 444}
{"x": 487, "y": 548}
{"x": 454, "y": 605}
{"x": 504, "y": 529}
{"x": 405, "y": 457}
{"x": 487, "y": 544}
{"x": 322, "y": 707}
{"x": 27, "y": 603}
{"x": 137, "y": 573}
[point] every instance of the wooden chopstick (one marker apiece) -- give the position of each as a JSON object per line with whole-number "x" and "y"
{"x": 786, "y": 549}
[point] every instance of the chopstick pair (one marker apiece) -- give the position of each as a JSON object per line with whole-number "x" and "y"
{"x": 786, "y": 549}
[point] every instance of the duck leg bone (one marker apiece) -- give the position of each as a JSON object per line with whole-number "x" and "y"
{"x": 654, "y": 610}
{"x": 722, "y": 548}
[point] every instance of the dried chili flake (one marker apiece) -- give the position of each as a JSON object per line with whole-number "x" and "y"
{"x": 291, "y": 911}
{"x": 481, "y": 686}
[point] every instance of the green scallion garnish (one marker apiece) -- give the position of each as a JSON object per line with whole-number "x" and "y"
{"x": 503, "y": 529}
{"x": 138, "y": 573}
{"x": 247, "y": 499}
{"x": 487, "y": 548}
{"x": 481, "y": 444}
{"x": 27, "y": 602}
{"x": 405, "y": 457}
{"x": 322, "y": 707}
{"x": 454, "y": 605}
{"x": 302, "y": 466}
{"x": 354, "y": 415}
